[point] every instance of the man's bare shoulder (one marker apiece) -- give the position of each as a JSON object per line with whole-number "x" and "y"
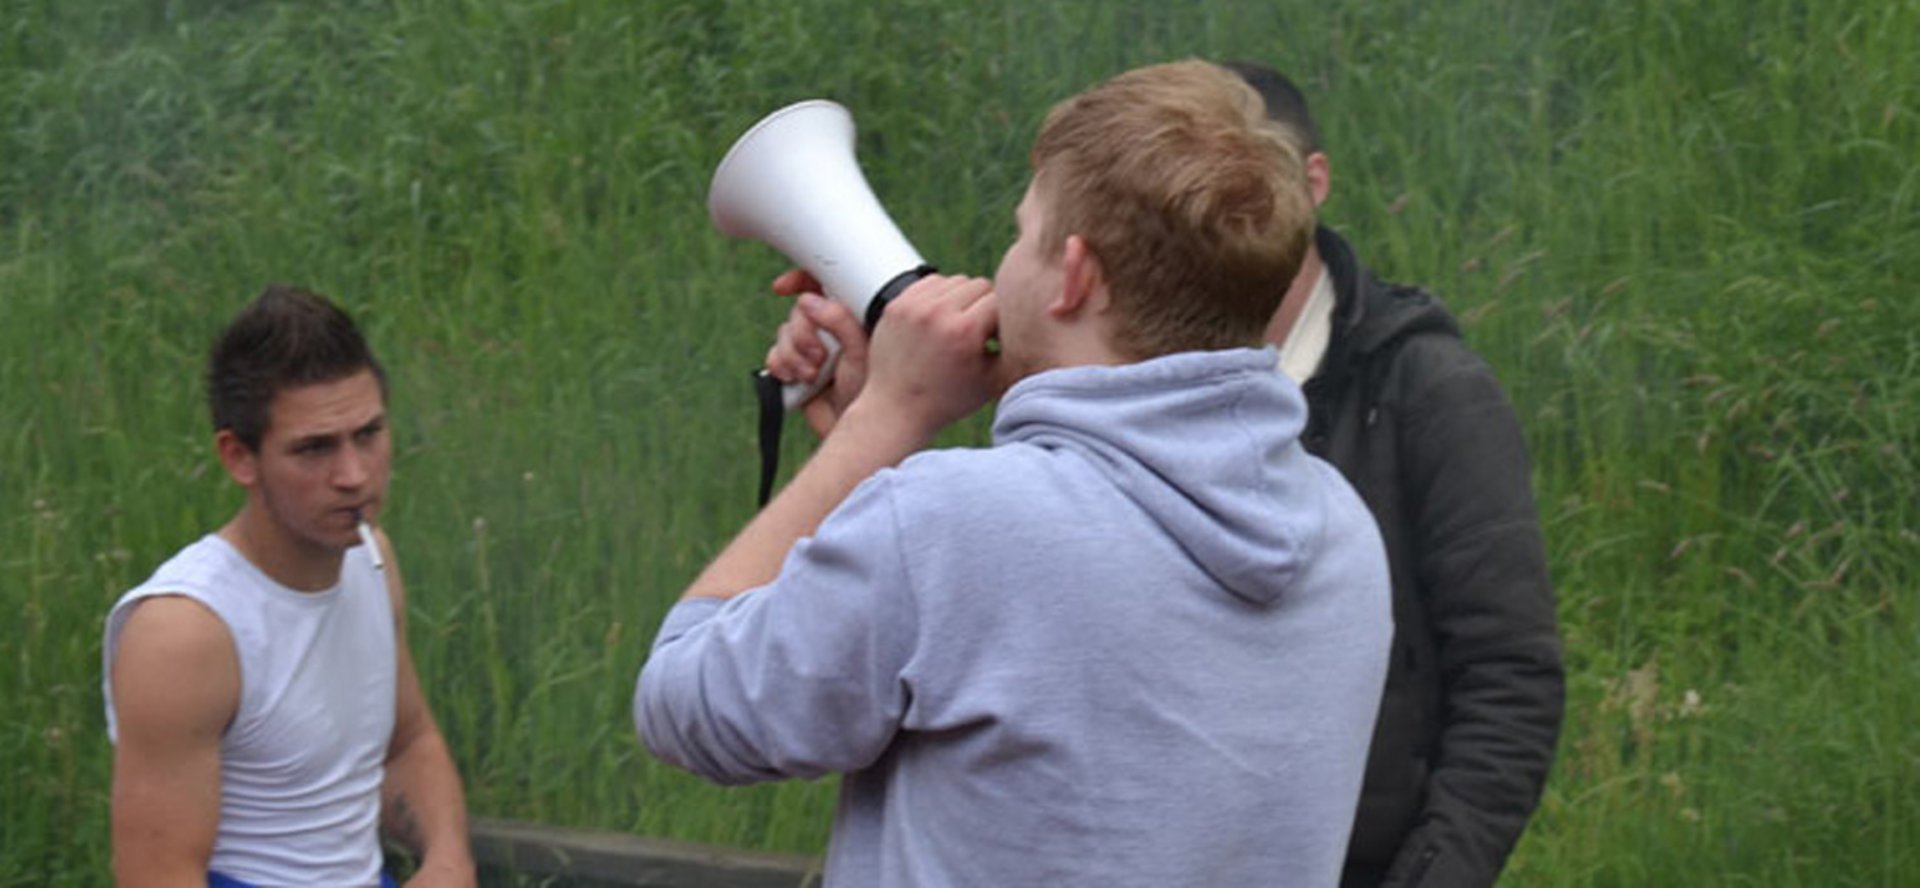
{"x": 172, "y": 623}
{"x": 175, "y": 664}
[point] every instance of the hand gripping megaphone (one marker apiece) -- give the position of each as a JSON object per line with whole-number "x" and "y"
{"x": 791, "y": 182}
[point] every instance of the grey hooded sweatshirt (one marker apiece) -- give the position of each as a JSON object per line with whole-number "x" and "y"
{"x": 1138, "y": 641}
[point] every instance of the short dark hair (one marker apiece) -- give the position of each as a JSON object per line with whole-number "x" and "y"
{"x": 1286, "y": 105}
{"x": 289, "y": 336}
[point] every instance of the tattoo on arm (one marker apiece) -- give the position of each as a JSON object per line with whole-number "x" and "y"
{"x": 401, "y": 823}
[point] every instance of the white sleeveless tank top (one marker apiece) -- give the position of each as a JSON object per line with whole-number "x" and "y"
{"x": 302, "y": 762}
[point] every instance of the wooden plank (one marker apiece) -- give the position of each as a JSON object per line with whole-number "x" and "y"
{"x": 576, "y": 856}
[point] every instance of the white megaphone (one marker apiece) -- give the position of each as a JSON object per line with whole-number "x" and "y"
{"x": 792, "y": 183}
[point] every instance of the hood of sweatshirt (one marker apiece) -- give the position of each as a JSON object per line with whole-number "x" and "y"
{"x": 1207, "y": 443}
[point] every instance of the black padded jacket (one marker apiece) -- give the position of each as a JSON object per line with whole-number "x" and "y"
{"x": 1418, "y": 424}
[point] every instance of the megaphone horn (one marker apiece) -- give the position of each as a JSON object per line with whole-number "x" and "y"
{"x": 791, "y": 182}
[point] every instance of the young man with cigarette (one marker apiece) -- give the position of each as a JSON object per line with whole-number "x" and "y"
{"x": 260, "y": 693}
{"x": 1138, "y": 641}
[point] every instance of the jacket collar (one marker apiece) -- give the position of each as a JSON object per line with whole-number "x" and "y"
{"x": 1369, "y": 314}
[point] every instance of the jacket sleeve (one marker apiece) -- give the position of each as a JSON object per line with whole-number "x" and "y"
{"x": 1483, "y": 571}
{"x": 795, "y": 679}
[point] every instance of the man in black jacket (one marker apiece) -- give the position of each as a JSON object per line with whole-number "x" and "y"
{"x": 1421, "y": 428}
{"x": 1419, "y": 425}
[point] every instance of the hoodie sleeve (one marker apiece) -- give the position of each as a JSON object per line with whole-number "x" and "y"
{"x": 1490, "y": 604}
{"x": 798, "y": 678}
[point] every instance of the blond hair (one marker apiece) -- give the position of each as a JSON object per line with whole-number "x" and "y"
{"x": 1195, "y": 204}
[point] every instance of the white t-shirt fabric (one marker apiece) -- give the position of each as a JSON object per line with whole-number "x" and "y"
{"x": 1306, "y": 344}
{"x": 302, "y": 762}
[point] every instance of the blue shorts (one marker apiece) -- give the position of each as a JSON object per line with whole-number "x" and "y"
{"x": 216, "y": 880}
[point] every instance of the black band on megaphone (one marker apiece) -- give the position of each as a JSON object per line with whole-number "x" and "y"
{"x": 893, "y": 288}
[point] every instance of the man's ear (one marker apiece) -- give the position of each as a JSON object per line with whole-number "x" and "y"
{"x": 1319, "y": 178}
{"x": 1081, "y": 279}
{"x": 239, "y": 460}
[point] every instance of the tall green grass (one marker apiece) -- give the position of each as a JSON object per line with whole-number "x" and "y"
{"x": 1685, "y": 234}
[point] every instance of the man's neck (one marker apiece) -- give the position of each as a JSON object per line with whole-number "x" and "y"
{"x": 1084, "y": 340}
{"x": 292, "y": 563}
{"x": 1295, "y": 301}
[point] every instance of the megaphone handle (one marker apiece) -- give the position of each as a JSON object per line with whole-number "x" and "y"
{"x": 777, "y": 399}
{"x": 795, "y": 394}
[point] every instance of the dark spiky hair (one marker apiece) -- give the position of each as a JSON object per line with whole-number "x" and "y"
{"x": 289, "y": 336}
{"x": 1286, "y": 105}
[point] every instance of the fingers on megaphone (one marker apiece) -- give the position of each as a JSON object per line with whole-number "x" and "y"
{"x": 795, "y": 281}
{"x": 807, "y": 340}
{"x": 832, "y": 320}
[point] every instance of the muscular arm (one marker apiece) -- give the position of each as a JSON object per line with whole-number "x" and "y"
{"x": 176, "y": 686}
{"x": 421, "y": 801}
{"x": 1482, "y": 566}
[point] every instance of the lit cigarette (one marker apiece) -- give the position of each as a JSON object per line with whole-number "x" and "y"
{"x": 373, "y": 546}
